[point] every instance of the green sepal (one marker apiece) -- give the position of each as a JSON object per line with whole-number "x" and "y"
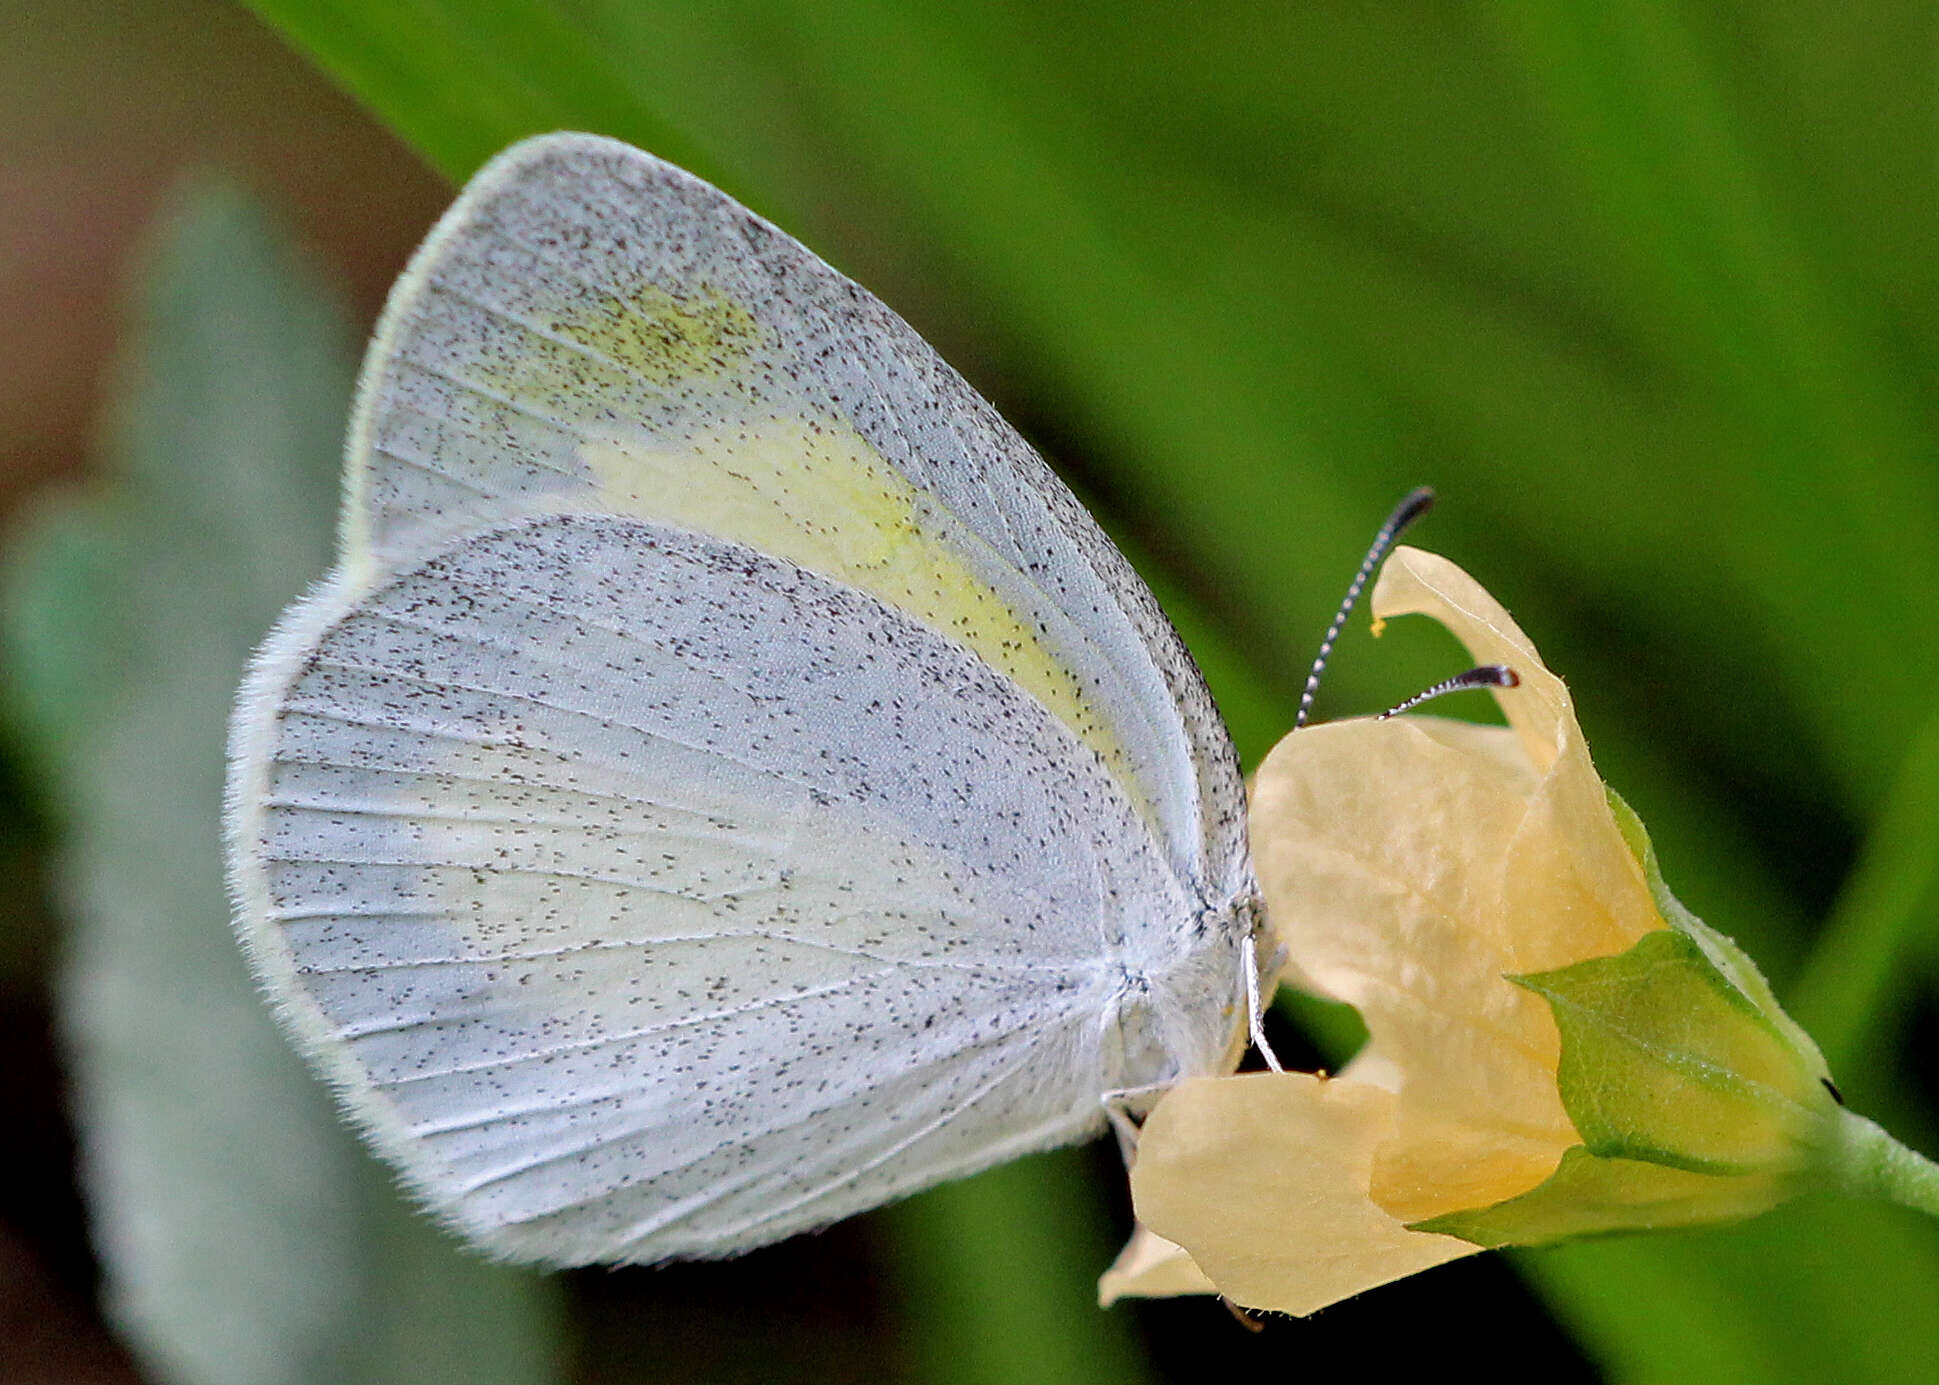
{"x": 1732, "y": 962}
{"x": 1697, "y": 1098}
{"x": 1588, "y": 1195}
{"x": 1664, "y": 1060}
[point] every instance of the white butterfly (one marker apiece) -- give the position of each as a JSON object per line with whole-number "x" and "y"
{"x": 728, "y": 782}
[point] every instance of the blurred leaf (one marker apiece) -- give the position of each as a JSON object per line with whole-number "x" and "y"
{"x": 1000, "y": 1271}
{"x": 462, "y": 81}
{"x": 1856, "y": 991}
{"x": 1723, "y": 1307}
{"x": 245, "y": 1235}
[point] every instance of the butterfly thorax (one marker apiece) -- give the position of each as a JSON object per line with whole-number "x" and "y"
{"x": 1172, "y": 1012}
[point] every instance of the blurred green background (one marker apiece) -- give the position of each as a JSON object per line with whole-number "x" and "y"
{"x": 1649, "y": 291}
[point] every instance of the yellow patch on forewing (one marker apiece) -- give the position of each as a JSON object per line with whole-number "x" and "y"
{"x": 778, "y": 476}
{"x": 597, "y": 366}
{"x": 817, "y": 494}
{"x": 665, "y": 340}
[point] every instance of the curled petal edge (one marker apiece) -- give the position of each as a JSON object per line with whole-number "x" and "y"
{"x": 1267, "y": 1174}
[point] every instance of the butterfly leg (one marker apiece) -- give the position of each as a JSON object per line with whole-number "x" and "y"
{"x": 1126, "y": 1109}
{"x": 1255, "y": 998}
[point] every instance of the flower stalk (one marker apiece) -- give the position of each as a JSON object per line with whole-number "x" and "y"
{"x": 1870, "y": 1163}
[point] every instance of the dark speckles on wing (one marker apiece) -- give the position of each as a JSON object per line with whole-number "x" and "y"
{"x": 621, "y": 856}
{"x": 594, "y": 294}
{"x": 667, "y": 899}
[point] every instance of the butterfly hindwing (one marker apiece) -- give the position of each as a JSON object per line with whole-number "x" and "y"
{"x": 652, "y": 896}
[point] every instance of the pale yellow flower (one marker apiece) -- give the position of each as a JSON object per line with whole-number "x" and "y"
{"x": 1411, "y": 868}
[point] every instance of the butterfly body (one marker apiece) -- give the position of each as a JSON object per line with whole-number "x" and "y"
{"x": 728, "y": 781}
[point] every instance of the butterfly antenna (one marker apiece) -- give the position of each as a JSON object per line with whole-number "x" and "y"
{"x": 1487, "y": 676}
{"x": 1417, "y": 503}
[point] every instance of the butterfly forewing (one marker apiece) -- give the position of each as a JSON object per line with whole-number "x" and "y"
{"x": 592, "y": 328}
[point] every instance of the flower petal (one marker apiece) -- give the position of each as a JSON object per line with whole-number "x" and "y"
{"x": 1411, "y": 865}
{"x": 1571, "y": 883}
{"x": 1150, "y": 1266}
{"x": 1416, "y": 582}
{"x": 1378, "y": 849}
{"x": 1264, "y": 1176}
